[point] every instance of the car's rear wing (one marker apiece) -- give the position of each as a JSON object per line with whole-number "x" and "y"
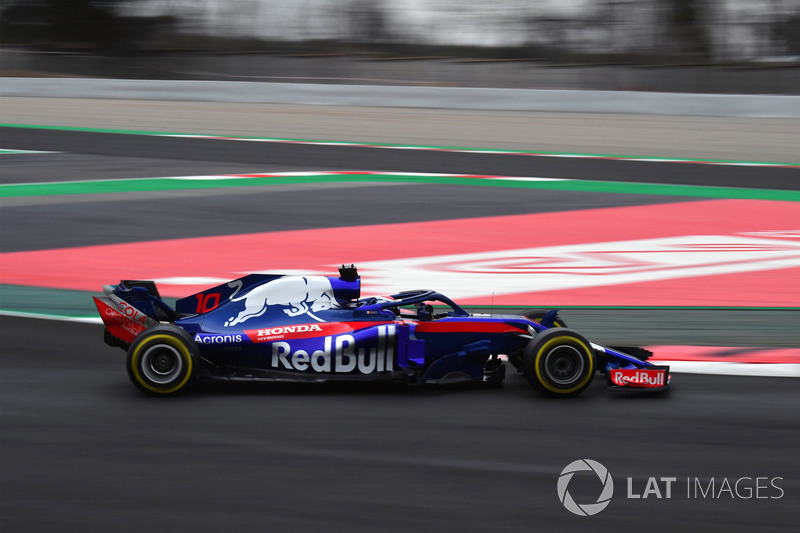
{"x": 130, "y": 307}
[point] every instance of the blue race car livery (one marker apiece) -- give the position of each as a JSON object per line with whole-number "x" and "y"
{"x": 318, "y": 328}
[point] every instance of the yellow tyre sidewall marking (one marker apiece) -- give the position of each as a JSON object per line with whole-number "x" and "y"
{"x": 546, "y": 349}
{"x": 171, "y": 341}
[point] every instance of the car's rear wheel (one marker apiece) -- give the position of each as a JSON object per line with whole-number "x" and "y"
{"x": 161, "y": 361}
{"x": 559, "y": 362}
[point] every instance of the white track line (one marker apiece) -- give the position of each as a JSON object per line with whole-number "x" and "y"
{"x": 478, "y": 150}
{"x": 720, "y": 368}
{"x": 45, "y": 316}
{"x": 12, "y": 151}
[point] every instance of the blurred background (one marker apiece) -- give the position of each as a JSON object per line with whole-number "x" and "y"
{"x": 80, "y": 442}
{"x": 722, "y": 46}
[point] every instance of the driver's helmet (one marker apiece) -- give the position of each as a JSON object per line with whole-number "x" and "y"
{"x": 425, "y": 311}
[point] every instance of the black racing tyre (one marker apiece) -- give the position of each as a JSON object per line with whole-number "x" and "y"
{"x": 536, "y": 315}
{"x": 162, "y": 361}
{"x": 559, "y": 362}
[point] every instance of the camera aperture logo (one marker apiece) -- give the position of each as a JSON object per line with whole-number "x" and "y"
{"x": 586, "y": 509}
{"x": 664, "y": 487}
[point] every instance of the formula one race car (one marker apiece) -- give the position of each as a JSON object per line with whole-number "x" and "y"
{"x": 318, "y": 328}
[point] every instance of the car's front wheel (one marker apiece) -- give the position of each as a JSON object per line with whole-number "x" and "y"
{"x": 162, "y": 361}
{"x": 537, "y": 315}
{"x": 559, "y": 362}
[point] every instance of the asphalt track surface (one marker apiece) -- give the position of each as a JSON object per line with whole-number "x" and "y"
{"x": 81, "y": 449}
{"x": 209, "y": 153}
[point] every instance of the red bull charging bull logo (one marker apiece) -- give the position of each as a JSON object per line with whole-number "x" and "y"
{"x": 295, "y": 295}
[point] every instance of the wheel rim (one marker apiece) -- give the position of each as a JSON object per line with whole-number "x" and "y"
{"x": 564, "y": 364}
{"x": 161, "y": 364}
